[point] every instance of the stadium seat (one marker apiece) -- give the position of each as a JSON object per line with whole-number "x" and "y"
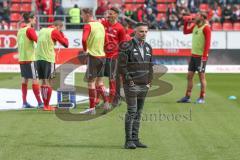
{"x": 162, "y": 7}
{"x": 26, "y": 7}
{"x": 129, "y": 7}
{"x": 236, "y": 26}
{"x": 203, "y": 7}
{"x": 166, "y": 1}
{"x": 28, "y": 1}
{"x": 15, "y": 17}
{"x": 17, "y": 1}
{"x": 15, "y": 7}
{"x": 217, "y": 26}
{"x": 129, "y": 1}
{"x": 160, "y": 15}
{"x": 227, "y": 26}
{"x": 140, "y": 1}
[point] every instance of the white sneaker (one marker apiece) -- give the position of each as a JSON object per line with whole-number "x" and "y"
{"x": 90, "y": 111}
{"x": 200, "y": 101}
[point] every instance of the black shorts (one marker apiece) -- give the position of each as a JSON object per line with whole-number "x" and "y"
{"x": 196, "y": 64}
{"x": 46, "y": 70}
{"x": 95, "y": 67}
{"x": 29, "y": 70}
{"x": 111, "y": 68}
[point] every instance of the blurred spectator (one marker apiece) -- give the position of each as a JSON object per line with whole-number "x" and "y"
{"x": 128, "y": 13}
{"x": 215, "y": 13}
{"x": 193, "y": 5}
{"x": 102, "y": 8}
{"x": 59, "y": 11}
{"x": 236, "y": 13}
{"x": 4, "y": 11}
{"x": 172, "y": 8}
{"x": 45, "y": 8}
{"x": 173, "y": 19}
{"x": 42, "y": 6}
{"x": 140, "y": 13}
{"x": 225, "y": 2}
{"x": 1, "y": 11}
{"x": 182, "y": 3}
{"x": 227, "y": 13}
{"x": 180, "y": 22}
{"x": 4, "y": 25}
{"x": 153, "y": 5}
{"x": 162, "y": 24}
{"x": 182, "y": 10}
{"x": 74, "y": 14}
{"x": 151, "y": 19}
{"x": 204, "y": 1}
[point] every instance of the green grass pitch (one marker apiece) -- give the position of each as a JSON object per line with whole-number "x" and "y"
{"x": 211, "y": 132}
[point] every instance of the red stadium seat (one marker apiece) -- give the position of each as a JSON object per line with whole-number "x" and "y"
{"x": 29, "y": 1}
{"x": 236, "y": 26}
{"x": 203, "y": 7}
{"x": 129, "y": 1}
{"x": 162, "y": 7}
{"x": 18, "y": 1}
{"x": 140, "y": 1}
{"x": 15, "y": 17}
{"x": 132, "y": 7}
{"x": 160, "y": 15}
{"x": 217, "y": 26}
{"x": 26, "y": 7}
{"x": 166, "y": 1}
{"x": 15, "y": 7}
{"x": 129, "y": 7}
{"x": 227, "y": 26}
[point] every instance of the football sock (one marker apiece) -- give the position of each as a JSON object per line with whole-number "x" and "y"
{"x": 92, "y": 96}
{"x": 35, "y": 88}
{"x": 24, "y": 92}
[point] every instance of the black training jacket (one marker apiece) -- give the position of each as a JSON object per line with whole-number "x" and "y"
{"x": 131, "y": 64}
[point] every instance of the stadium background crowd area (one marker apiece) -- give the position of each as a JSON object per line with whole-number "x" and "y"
{"x": 159, "y": 14}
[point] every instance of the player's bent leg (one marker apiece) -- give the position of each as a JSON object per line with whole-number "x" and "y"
{"x": 36, "y": 91}
{"x": 102, "y": 90}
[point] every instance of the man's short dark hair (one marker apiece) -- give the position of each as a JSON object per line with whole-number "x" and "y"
{"x": 75, "y": 6}
{"x": 115, "y": 9}
{"x": 140, "y": 24}
{"x": 58, "y": 23}
{"x": 87, "y": 11}
{"x": 27, "y": 16}
{"x": 204, "y": 15}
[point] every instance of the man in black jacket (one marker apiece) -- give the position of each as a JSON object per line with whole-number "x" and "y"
{"x": 136, "y": 68}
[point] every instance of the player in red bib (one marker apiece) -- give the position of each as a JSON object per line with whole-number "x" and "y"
{"x": 115, "y": 35}
{"x": 201, "y": 40}
{"x": 26, "y": 38}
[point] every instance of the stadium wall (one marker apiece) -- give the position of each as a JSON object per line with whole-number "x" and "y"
{"x": 171, "y": 48}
